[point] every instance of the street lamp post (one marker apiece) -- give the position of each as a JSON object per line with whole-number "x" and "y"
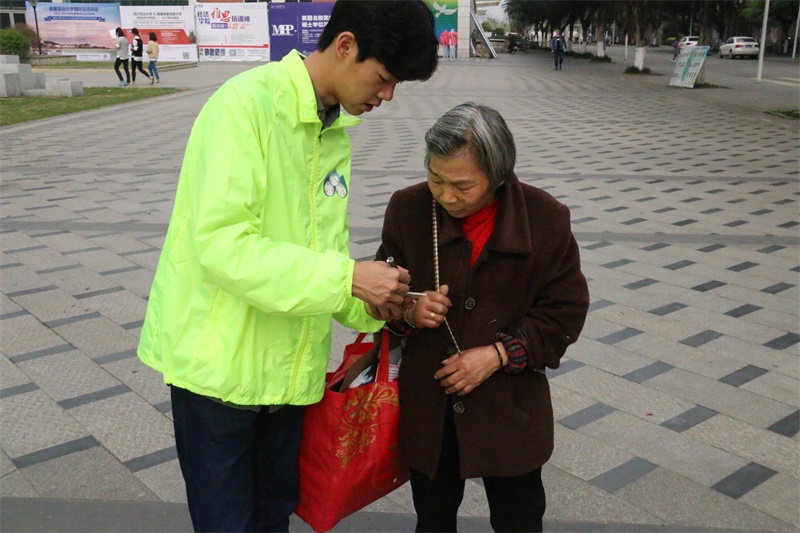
{"x": 36, "y": 18}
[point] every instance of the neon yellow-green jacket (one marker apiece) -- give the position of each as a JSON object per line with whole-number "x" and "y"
{"x": 256, "y": 264}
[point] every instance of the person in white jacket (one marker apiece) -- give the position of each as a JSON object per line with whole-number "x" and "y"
{"x": 152, "y": 53}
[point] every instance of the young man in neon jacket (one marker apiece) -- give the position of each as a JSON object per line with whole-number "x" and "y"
{"x": 255, "y": 264}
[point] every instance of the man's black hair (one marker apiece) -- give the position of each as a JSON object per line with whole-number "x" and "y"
{"x": 399, "y": 34}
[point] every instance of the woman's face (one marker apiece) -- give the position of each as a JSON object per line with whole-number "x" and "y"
{"x": 458, "y": 184}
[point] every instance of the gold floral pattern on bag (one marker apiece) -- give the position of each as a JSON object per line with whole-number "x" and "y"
{"x": 358, "y": 419}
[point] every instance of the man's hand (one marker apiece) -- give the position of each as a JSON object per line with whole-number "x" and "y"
{"x": 381, "y": 287}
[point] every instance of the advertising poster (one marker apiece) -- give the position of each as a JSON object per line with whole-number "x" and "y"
{"x": 173, "y": 26}
{"x": 232, "y": 32}
{"x": 80, "y": 29}
{"x": 296, "y": 25}
{"x": 688, "y": 66}
{"x": 445, "y": 15}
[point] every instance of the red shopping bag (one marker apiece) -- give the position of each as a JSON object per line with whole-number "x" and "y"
{"x": 348, "y": 454}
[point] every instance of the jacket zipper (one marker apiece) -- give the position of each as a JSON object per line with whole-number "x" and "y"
{"x": 314, "y": 246}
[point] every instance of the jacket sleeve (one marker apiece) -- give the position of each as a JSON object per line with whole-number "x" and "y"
{"x": 559, "y": 311}
{"x": 227, "y": 170}
{"x": 354, "y": 316}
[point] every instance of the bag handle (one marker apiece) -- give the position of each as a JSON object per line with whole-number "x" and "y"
{"x": 383, "y": 358}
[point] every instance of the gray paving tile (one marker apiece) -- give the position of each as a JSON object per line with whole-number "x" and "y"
{"x": 783, "y": 342}
{"x": 18, "y": 389}
{"x": 586, "y": 416}
{"x": 788, "y": 427}
{"x": 667, "y": 309}
{"x": 54, "y": 452}
{"x": 650, "y": 371}
{"x": 744, "y": 480}
{"x": 743, "y": 375}
{"x": 619, "y": 336}
{"x": 624, "y": 474}
{"x": 688, "y": 419}
{"x": 96, "y": 396}
{"x": 701, "y": 338}
{"x": 152, "y": 459}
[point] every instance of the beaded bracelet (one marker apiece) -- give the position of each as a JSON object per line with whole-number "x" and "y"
{"x": 499, "y": 355}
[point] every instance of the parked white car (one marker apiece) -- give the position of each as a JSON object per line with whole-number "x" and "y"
{"x": 739, "y": 46}
{"x": 689, "y": 40}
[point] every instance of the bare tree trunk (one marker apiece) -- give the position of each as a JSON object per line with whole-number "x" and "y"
{"x": 600, "y": 35}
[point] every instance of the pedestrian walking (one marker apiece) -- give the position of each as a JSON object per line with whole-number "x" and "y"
{"x": 501, "y": 265}
{"x": 559, "y": 46}
{"x": 255, "y": 265}
{"x": 152, "y": 54}
{"x": 121, "y": 44}
{"x": 453, "y": 43}
{"x": 676, "y": 49}
{"x": 137, "y": 49}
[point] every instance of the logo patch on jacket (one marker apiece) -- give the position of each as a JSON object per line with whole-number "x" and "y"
{"x": 335, "y": 184}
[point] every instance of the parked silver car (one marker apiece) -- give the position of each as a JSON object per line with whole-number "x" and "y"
{"x": 739, "y": 46}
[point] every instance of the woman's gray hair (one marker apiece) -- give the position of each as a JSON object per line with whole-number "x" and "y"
{"x": 480, "y": 129}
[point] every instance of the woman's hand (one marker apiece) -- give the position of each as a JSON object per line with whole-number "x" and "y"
{"x": 462, "y": 373}
{"x": 429, "y": 310}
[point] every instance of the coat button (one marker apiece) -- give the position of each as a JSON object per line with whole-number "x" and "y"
{"x": 469, "y": 303}
{"x": 451, "y": 350}
{"x": 458, "y": 407}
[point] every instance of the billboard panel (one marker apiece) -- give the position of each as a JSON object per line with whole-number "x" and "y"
{"x": 296, "y": 25}
{"x": 173, "y": 25}
{"x": 232, "y": 32}
{"x": 80, "y": 29}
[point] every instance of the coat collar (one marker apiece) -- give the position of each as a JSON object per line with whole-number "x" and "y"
{"x": 307, "y": 97}
{"x": 511, "y": 228}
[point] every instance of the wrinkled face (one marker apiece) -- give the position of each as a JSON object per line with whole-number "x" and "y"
{"x": 364, "y": 86}
{"x": 458, "y": 184}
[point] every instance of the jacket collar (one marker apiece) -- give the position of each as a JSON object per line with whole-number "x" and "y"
{"x": 511, "y": 233}
{"x": 307, "y": 97}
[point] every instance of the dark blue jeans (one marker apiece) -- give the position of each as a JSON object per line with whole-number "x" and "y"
{"x": 240, "y": 466}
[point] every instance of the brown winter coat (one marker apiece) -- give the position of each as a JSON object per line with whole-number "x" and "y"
{"x": 527, "y": 282}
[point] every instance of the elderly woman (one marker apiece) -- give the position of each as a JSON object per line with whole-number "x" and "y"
{"x": 474, "y": 395}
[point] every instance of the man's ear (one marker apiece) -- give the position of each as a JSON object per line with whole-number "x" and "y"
{"x": 345, "y": 44}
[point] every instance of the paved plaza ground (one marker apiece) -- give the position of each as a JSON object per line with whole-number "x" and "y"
{"x": 676, "y": 411}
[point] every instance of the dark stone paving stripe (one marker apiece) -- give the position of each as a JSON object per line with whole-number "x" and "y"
{"x": 113, "y": 357}
{"x": 667, "y": 309}
{"x": 31, "y": 291}
{"x": 743, "y": 310}
{"x": 10, "y": 265}
{"x": 788, "y": 427}
{"x": 623, "y": 475}
{"x": 711, "y": 285}
{"x": 783, "y": 342}
{"x": 137, "y": 252}
{"x": 99, "y": 292}
{"x": 712, "y": 248}
{"x": 618, "y": 263}
{"x": 743, "y": 266}
{"x": 152, "y": 459}
{"x": 59, "y": 269}
{"x": 778, "y": 287}
{"x": 567, "y": 365}
{"x": 28, "y": 249}
{"x": 92, "y": 397}
{"x": 14, "y": 314}
{"x": 598, "y": 245}
{"x": 82, "y": 250}
{"x": 164, "y": 407}
{"x": 132, "y": 325}
{"x": 655, "y": 247}
{"x": 650, "y": 371}
{"x": 18, "y": 389}
{"x": 679, "y": 265}
{"x": 54, "y": 452}
{"x": 620, "y": 336}
{"x": 640, "y": 284}
{"x": 743, "y": 375}
{"x": 72, "y": 319}
{"x": 586, "y": 416}
{"x": 771, "y": 249}
{"x": 744, "y": 480}
{"x": 600, "y": 304}
{"x": 701, "y": 338}
{"x": 120, "y": 270}
{"x": 688, "y": 419}
{"x": 41, "y": 353}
